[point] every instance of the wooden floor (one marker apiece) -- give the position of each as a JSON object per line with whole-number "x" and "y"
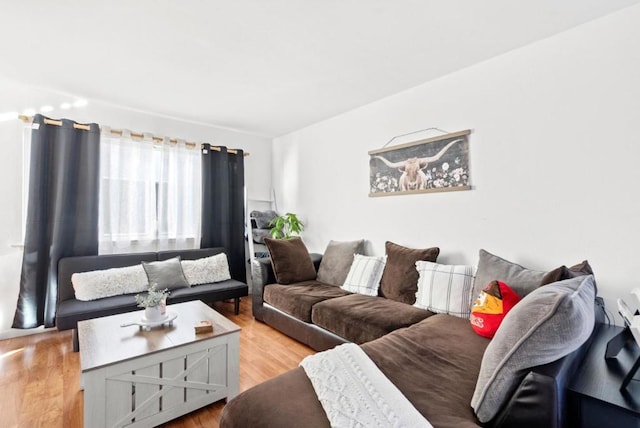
{"x": 40, "y": 374}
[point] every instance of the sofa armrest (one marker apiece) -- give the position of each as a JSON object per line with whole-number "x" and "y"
{"x": 539, "y": 400}
{"x": 262, "y": 275}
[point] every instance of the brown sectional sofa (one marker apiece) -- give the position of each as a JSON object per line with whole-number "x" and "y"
{"x": 434, "y": 359}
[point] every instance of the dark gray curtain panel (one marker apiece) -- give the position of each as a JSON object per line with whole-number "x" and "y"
{"x": 223, "y": 218}
{"x": 62, "y": 213}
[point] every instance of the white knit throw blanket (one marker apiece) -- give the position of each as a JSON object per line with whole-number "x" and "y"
{"x": 355, "y": 393}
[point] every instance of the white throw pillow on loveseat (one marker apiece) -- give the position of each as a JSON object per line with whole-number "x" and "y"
{"x": 206, "y": 270}
{"x": 97, "y": 284}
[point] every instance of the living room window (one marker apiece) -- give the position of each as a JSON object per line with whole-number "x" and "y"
{"x": 149, "y": 194}
{"x": 123, "y": 193}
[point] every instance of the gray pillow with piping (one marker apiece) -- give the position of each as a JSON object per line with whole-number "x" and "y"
{"x": 336, "y": 261}
{"x": 547, "y": 324}
{"x": 493, "y": 268}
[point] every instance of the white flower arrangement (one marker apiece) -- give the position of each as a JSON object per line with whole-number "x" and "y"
{"x": 152, "y": 298}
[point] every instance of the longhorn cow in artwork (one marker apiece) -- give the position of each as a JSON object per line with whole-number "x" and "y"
{"x": 413, "y": 177}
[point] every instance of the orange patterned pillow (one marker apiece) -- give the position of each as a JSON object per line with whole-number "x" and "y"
{"x": 491, "y": 306}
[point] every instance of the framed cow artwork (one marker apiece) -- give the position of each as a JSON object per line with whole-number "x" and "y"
{"x": 438, "y": 164}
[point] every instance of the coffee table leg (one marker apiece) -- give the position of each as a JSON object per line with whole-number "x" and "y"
{"x": 94, "y": 399}
{"x": 233, "y": 363}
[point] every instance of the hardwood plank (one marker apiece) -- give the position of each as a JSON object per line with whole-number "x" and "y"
{"x": 40, "y": 374}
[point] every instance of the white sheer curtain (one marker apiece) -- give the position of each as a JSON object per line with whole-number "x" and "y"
{"x": 26, "y": 160}
{"x": 149, "y": 194}
{"x": 180, "y": 199}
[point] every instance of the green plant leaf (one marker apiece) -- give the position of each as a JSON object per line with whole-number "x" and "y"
{"x": 285, "y": 226}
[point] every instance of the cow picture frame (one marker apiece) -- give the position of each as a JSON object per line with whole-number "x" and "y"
{"x": 437, "y": 164}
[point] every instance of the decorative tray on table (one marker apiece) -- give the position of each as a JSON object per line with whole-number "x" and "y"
{"x": 147, "y": 325}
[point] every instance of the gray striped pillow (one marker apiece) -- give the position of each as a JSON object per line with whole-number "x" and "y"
{"x": 364, "y": 275}
{"x": 445, "y": 289}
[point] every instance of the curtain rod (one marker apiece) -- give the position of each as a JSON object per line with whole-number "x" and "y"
{"x": 119, "y": 132}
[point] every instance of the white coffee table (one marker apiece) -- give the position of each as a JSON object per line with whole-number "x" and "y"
{"x": 132, "y": 377}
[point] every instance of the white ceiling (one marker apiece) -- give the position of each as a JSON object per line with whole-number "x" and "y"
{"x": 266, "y": 67}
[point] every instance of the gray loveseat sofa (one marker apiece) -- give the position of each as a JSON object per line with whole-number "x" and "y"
{"x": 71, "y": 310}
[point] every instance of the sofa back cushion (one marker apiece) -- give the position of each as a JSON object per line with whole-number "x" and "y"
{"x": 547, "y": 324}
{"x": 493, "y": 268}
{"x": 290, "y": 260}
{"x": 193, "y": 254}
{"x": 563, "y": 272}
{"x": 400, "y": 278}
{"x": 337, "y": 260}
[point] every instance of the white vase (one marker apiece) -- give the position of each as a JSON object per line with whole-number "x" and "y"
{"x": 154, "y": 313}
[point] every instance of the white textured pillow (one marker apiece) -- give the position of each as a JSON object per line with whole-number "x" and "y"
{"x": 97, "y": 284}
{"x": 364, "y": 275}
{"x": 445, "y": 289}
{"x": 206, "y": 270}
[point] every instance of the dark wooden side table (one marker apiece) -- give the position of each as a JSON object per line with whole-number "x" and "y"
{"x": 594, "y": 395}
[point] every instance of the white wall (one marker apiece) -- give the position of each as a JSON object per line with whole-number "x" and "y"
{"x": 18, "y": 96}
{"x": 554, "y": 160}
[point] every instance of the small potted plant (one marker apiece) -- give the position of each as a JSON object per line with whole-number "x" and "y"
{"x": 153, "y": 302}
{"x": 285, "y": 226}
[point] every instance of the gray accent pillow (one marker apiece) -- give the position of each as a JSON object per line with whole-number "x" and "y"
{"x": 166, "y": 274}
{"x": 337, "y": 260}
{"x": 546, "y": 325}
{"x": 493, "y": 268}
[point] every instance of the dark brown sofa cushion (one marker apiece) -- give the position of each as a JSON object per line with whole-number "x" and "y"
{"x": 400, "y": 278}
{"x": 360, "y": 318}
{"x": 263, "y": 405}
{"x": 563, "y": 272}
{"x": 298, "y": 299}
{"x": 434, "y": 363}
{"x": 290, "y": 260}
